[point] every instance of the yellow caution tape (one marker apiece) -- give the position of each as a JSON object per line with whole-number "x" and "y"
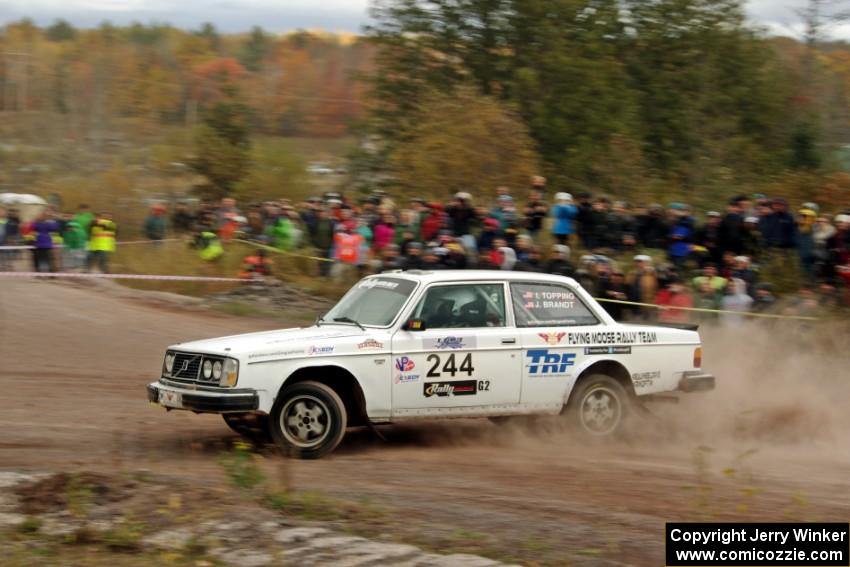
{"x": 703, "y": 310}
{"x": 279, "y": 251}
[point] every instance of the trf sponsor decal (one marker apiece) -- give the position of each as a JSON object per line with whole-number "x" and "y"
{"x": 545, "y": 363}
{"x": 551, "y": 338}
{"x": 450, "y": 389}
{"x": 608, "y": 350}
{"x": 370, "y": 343}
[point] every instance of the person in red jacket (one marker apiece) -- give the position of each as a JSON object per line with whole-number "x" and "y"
{"x": 674, "y": 295}
{"x": 432, "y": 223}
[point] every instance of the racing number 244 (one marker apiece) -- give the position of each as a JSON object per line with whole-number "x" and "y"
{"x": 450, "y": 367}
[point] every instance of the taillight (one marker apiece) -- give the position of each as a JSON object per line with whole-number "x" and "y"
{"x": 698, "y": 357}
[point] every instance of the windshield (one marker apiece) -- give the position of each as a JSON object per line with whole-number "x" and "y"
{"x": 373, "y": 301}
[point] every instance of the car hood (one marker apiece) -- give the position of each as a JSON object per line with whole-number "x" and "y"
{"x": 279, "y": 344}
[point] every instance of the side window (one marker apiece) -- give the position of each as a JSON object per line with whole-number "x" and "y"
{"x": 549, "y": 305}
{"x": 459, "y": 306}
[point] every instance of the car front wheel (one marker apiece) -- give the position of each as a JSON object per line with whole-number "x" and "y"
{"x": 599, "y": 406}
{"x": 308, "y": 420}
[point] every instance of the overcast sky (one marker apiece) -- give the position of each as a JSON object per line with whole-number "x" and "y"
{"x": 283, "y": 15}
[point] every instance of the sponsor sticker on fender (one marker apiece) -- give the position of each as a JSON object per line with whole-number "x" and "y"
{"x": 403, "y": 366}
{"x": 450, "y": 389}
{"x": 277, "y": 353}
{"x": 370, "y": 343}
{"x": 313, "y": 350}
{"x": 644, "y": 379}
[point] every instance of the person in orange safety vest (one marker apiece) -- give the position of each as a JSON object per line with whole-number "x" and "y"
{"x": 256, "y": 266}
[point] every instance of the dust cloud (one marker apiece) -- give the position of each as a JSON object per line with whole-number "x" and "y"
{"x": 782, "y": 399}
{"x": 783, "y": 384}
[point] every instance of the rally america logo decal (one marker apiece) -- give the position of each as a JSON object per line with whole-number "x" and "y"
{"x": 452, "y": 342}
{"x": 456, "y": 388}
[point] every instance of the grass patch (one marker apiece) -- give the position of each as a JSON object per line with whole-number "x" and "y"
{"x": 19, "y": 551}
{"x": 30, "y": 525}
{"x": 178, "y": 258}
{"x": 242, "y": 467}
{"x": 126, "y": 536}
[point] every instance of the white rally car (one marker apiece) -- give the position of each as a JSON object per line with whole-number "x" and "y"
{"x": 430, "y": 345}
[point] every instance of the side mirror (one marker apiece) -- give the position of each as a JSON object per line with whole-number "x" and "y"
{"x": 414, "y": 325}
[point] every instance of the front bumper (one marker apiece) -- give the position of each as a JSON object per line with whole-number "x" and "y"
{"x": 203, "y": 401}
{"x": 696, "y": 381}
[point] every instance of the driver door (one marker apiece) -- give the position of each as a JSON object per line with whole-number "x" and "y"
{"x": 467, "y": 355}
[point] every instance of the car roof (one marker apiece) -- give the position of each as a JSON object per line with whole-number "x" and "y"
{"x": 426, "y": 276}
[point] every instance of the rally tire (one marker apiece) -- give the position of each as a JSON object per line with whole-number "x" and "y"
{"x": 253, "y": 427}
{"x": 308, "y": 420}
{"x": 598, "y": 407}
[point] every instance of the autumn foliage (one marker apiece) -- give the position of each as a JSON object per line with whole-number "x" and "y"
{"x": 298, "y": 84}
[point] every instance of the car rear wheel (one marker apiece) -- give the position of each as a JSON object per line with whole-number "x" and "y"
{"x": 252, "y": 426}
{"x": 599, "y": 406}
{"x": 308, "y": 420}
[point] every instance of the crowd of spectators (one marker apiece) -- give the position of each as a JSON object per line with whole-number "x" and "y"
{"x": 57, "y": 241}
{"x": 667, "y": 256}
{"x": 653, "y": 254}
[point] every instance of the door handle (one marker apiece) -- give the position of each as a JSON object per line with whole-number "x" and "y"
{"x": 508, "y": 341}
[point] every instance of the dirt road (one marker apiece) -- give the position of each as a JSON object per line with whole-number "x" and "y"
{"x": 770, "y": 444}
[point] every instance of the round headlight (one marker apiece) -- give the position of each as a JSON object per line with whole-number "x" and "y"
{"x": 217, "y": 369}
{"x": 169, "y": 362}
{"x": 207, "y": 369}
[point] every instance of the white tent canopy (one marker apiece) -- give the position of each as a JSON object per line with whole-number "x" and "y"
{"x": 21, "y": 199}
{"x": 29, "y": 205}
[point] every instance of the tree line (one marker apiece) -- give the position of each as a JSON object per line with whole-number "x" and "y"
{"x": 641, "y": 99}
{"x": 629, "y": 97}
{"x": 296, "y": 84}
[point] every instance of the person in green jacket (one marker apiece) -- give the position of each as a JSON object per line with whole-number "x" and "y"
{"x": 407, "y": 224}
{"x": 280, "y": 233}
{"x": 84, "y": 218}
{"x": 74, "y": 240}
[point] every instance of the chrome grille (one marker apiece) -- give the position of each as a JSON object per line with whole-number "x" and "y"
{"x": 187, "y": 366}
